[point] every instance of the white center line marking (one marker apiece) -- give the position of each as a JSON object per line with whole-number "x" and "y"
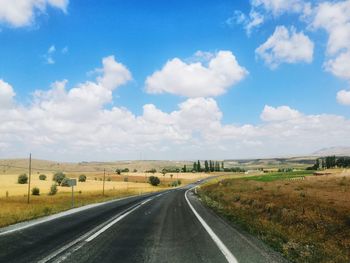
{"x": 92, "y": 237}
{"x": 227, "y": 253}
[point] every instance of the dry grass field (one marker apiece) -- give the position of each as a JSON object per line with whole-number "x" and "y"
{"x": 306, "y": 220}
{"x": 13, "y": 196}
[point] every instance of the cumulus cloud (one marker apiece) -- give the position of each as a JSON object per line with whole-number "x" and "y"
{"x": 340, "y": 66}
{"x": 281, "y": 113}
{"x": 197, "y": 79}
{"x": 343, "y": 97}
{"x": 21, "y": 13}
{"x": 286, "y": 46}
{"x": 334, "y": 18}
{"x": 6, "y": 95}
{"x": 80, "y": 124}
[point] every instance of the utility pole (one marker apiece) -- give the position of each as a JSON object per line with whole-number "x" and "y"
{"x": 72, "y": 196}
{"x": 30, "y": 175}
{"x": 104, "y": 177}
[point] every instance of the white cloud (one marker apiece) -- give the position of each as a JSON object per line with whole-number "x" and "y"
{"x": 197, "y": 79}
{"x": 19, "y": 13}
{"x": 51, "y": 49}
{"x": 6, "y": 95}
{"x": 281, "y": 113}
{"x": 79, "y": 124}
{"x": 340, "y": 66}
{"x": 263, "y": 10}
{"x": 343, "y": 97}
{"x": 115, "y": 74}
{"x": 286, "y": 46}
{"x": 334, "y": 18}
{"x": 49, "y": 55}
{"x": 278, "y": 7}
{"x": 254, "y": 20}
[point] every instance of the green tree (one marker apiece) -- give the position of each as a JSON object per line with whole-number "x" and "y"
{"x": 195, "y": 166}
{"x": 199, "y": 169}
{"x": 82, "y": 178}
{"x": 206, "y": 166}
{"x": 154, "y": 180}
{"x": 58, "y": 177}
{"x": 22, "y": 179}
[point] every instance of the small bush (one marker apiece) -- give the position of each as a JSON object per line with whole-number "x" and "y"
{"x": 154, "y": 180}
{"x": 58, "y": 177}
{"x": 22, "y": 179}
{"x": 82, "y": 178}
{"x": 35, "y": 191}
{"x": 42, "y": 177}
{"x": 109, "y": 179}
{"x": 126, "y": 179}
{"x": 53, "y": 189}
{"x": 135, "y": 170}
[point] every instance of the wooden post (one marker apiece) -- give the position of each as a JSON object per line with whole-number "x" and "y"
{"x": 104, "y": 177}
{"x": 30, "y": 175}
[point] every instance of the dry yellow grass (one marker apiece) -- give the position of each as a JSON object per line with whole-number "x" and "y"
{"x": 306, "y": 220}
{"x": 137, "y": 181}
{"x": 15, "y": 209}
{"x": 8, "y": 183}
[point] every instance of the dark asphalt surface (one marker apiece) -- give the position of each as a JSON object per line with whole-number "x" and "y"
{"x": 164, "y": 229}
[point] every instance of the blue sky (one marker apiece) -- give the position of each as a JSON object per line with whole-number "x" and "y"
{"x": 144, "y": 35}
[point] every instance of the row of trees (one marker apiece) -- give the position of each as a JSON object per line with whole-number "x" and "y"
{"x": 331, "y": 162}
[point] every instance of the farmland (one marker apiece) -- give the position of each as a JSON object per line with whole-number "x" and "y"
{"x": 306, "y": 220}
{"x": 13, "y": 196}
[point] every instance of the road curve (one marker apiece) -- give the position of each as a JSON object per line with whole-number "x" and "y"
{"x": 166, "y": 227}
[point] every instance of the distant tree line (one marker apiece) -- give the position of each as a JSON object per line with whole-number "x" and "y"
{"x": 331, "y": 162}
{"x": 213, "y": 166}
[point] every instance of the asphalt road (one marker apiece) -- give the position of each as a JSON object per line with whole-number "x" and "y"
{"x": 166, "y": 227}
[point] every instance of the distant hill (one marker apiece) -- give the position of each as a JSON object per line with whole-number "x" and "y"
{"x": 341, "y": 151}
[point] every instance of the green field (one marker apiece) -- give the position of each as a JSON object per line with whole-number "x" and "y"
{"x": 269, "y": 177}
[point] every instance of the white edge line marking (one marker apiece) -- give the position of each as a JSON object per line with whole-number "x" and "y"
{"x": 34, "y": 222}
{"x": 92, "y": 237}
{"x": 227, "y": 253}
{"x": 87, "y": 235}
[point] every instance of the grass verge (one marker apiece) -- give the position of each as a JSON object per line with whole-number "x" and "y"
{"x": 306, "y": 220}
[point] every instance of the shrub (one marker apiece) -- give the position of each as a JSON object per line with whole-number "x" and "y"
{"x": 35, "y": 191}
{"x": 153, "y": 171}
{"x": 126, "y": 179}
{"x": 58, "y": 177}
{"x": 53, "y": 189}
{"x": 135, "y": 171}
{"x": 118, "y": 171}
{"x": 109, "y": 179}
{"x": 82, "y": 178}
{"x": 42, "y": 177}
{"x": 65, "y": 182}
{"x": 154, "y": 180}
{"x": 22, "y": 179}
{"x": 125, "y": 170}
